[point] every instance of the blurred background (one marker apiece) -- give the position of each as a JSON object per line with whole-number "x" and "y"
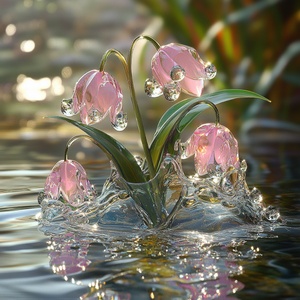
{"x": 45, "y": 46}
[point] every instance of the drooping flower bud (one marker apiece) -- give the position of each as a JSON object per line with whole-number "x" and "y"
{"x": 96, "y": 94}
{"x": 177, "y": 67}
{"x": 68, "y": 180}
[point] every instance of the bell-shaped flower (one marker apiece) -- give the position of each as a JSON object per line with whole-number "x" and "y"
{"x": 68, "y": 180}
{"x": 212, "y": 144}
{"x": 96, "y": 94}
{"x": 177, "y": 67}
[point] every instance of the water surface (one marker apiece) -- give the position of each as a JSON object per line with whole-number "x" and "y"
{"x": 260, "y": 261}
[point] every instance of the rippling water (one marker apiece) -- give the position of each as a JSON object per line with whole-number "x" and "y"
{"x": 245, "y": 262}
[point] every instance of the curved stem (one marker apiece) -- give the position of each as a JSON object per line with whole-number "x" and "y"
{"x": 118, "y": 54}
{"x": 74, "y": 139}
{"x": 214, "y": 107}
{"x": 128, "y": 72}
{"x": 134, "y": 102}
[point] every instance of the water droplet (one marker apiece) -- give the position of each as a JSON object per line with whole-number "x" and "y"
{"x": 172, "y": 91}
{"x": 123, "y": 195}
{"x": 214, "y": 170}
{"x": 183, "y": 147}
{"x": 271, "y": 213}
{"x": 41, "y": 197}
{"x": 177, "y": 73}
{"x": 91, "y": 194}
{"x": 153, "y": 88}
{"x": 78, "y": 218}
{"x": 226, "y": 186}
{"x": 139, "y": 160}
{"x": 243, "y": 166}
{"x": 67, "y": 107}
{"x": 75, "y": 246}
{"x": 94, "y": 116}
{"x": 210, "y": 71}
{"x": 121, "y": 121}
{"x": 53, "y": 211}
{"x": 256, "y": 196}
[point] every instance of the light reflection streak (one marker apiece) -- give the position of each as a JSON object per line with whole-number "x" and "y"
{"x": 33, "y": 90}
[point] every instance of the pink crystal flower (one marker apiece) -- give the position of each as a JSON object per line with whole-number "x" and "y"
{"x": 212, "y": 144}
{"x": 96, "y": 95}
{"x": 177, "y": 67}
{"x": 68, "y": 180}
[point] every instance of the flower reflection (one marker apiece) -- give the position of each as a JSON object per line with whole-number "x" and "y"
{"x": 181, "y": 265}
{"x": 68, "y": 257}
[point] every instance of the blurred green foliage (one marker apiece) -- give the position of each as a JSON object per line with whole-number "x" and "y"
{"x": 254, "y": 44}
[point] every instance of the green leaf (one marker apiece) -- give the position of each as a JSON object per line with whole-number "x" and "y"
{"x": 182, "y": 113}
{"x": 123, "y": 160}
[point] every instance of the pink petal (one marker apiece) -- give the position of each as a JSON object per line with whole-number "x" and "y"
{"x": 226, "y": 149}
{"x": 79, "y": 90}
{"x": 192, "y": 87}
{"x": 52, "y": 184}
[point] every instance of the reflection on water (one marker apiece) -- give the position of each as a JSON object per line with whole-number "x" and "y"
{"x": 186, "y": 265}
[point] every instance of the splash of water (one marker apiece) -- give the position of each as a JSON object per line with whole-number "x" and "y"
{"x": 209, "y": 203}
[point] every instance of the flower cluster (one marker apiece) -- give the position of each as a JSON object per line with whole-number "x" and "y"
{"x": 175, "y": 68}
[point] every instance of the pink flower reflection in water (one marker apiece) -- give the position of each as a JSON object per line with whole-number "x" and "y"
{"x": 68, "y": 257}
{"x": 211, "y": 143}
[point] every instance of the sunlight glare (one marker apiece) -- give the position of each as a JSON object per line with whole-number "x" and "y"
{"x": 10, "y": 29}
{"x": 31, "y": 89}
{"x": 27, "y": 46}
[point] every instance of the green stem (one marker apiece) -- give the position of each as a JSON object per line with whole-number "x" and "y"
{"x": 73, "y": 139}
{"x": 135, "y": 105}
{"x": 128, "y": 71}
